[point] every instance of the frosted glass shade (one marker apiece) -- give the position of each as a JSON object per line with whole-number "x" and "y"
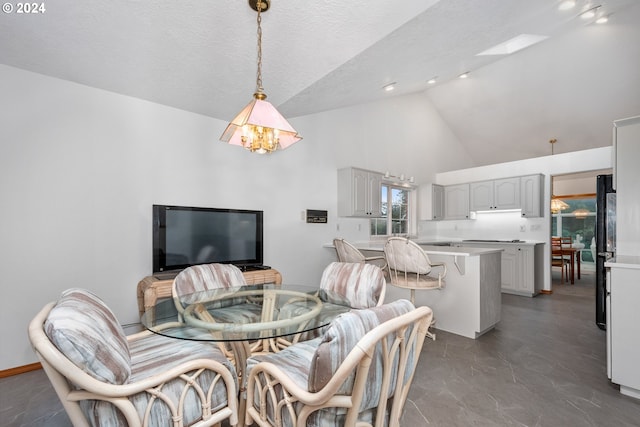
{"x": 259, "y": 127}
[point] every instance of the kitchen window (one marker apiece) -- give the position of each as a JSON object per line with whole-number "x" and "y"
{"x": 397, "y": 212}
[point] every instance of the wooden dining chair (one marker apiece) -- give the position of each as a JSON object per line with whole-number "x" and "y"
{"x": 559, "y": 258}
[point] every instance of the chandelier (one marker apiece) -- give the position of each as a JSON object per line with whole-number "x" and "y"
{"x": 557, "y": 205}
{"x": 259, "y": 127}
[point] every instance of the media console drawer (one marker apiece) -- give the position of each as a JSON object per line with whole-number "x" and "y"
{"x": 151, "y": 288}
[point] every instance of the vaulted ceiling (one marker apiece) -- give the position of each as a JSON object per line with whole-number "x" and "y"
{"x": 200, "y": 56}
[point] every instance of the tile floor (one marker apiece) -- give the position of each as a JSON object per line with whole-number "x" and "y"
{"x": 543, "y": 365}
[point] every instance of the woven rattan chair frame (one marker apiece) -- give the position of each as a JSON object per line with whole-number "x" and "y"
{"x": 73, "y": 385}
{"x": 396, "y": 357}
{"x": 348, "y": 253}
{"x": 256, "y": 346}
{"x": 410, "y": 267}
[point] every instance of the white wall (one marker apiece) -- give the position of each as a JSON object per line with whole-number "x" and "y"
{"x": 576, "y": 183}
{"x": 81, "y": 167}
{"x": 507, "y": 225}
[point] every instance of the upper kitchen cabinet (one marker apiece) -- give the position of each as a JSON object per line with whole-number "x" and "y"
{"x": 531, "y": 196}
{"x": 495, "y": 195}
{"x": 456, "y": 201}
{"x": 626, "y": 175}
{"x": 359, "y": 193}
{"x": 431, "y": 202}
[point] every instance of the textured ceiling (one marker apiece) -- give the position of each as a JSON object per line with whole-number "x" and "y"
{"x": 200, "y": 56}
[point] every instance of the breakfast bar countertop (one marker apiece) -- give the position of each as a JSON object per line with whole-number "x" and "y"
{"x": 378, "y": 246}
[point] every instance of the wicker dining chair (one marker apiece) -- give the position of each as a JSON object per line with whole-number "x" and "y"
{"x": 205, "y": 277}
{"x": 348, "y": 253}
{"x": 357, "y": 374}
{"x": 409, "y": 267}
{"x": 104, "y": 378}
{"x": 343, "y": 284}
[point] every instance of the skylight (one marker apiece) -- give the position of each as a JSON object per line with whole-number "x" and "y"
{"x": 513, "y": 45}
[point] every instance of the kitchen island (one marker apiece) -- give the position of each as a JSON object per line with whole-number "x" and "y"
{"x": 470, "y": 302}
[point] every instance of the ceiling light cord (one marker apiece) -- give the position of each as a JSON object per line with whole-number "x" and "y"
{"x": 259, "y": 88}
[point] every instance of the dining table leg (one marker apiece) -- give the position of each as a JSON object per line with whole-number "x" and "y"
{"x": 241, "y": 352}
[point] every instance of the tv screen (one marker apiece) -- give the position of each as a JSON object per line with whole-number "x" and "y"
{"x": 185, "y": 236}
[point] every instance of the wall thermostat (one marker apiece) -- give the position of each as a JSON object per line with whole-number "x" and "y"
{"x": 316, "y": 217}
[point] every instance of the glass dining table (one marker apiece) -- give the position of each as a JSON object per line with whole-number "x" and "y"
{"x": 247, "y": 320}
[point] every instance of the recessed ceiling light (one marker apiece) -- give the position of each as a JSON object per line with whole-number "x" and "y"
{"x": 389, "y": 87}
{"x": 432, "y": 80}
{"x": 602, "y": 20}
{"x": 567, "y": 4}
{"x": 589, "y": 13}
{"x": 464, "y": 75}
{"x": 513, "y": 45}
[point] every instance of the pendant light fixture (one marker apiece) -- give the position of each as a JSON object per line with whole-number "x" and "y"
{"x": 259, "y": 127}
{"x": 557, "y": 205}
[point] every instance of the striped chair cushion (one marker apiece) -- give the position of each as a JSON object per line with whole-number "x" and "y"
{"x": 310, "y": 364}
{"x": 295, "y": 361}
{"x": 356, "y": 283}
{"x": 85, "y": 330}
{"x": 153, "y": 354}
{"x": 208, "y": 276}
{"x": 341, "y": 337}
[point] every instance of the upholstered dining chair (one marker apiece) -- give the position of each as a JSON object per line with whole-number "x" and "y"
{"x": 348, "y": 253}
{"x": 205, "y": 277}
{"x": 104, "y": 378}
{"x": 410, "y": 268}
{"x": 349, "y": 284}
{"x": 358, "y": 373}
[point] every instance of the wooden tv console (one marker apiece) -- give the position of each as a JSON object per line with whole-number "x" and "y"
{"x": 151, "y": 288}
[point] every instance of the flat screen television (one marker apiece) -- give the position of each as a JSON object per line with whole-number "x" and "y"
{"x": 185, "y": 236}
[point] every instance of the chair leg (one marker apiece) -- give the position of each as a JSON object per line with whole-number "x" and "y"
{"x": 430, "y": 334}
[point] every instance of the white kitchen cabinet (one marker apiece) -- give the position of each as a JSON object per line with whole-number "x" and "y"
{"x": 531, "y": 196}
{"x": 498, "y": 194}
{"x": 510, "y": 273}
{"x": 359, "y": 193}
{"x": 431, "y": 202}
{"x": 623, "y": 328}
{"x": 456, "y": 201}
{"x": 626, "y": 175}
{"x": 522, "y": 268}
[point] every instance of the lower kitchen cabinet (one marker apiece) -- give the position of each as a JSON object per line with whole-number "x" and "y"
{"x": 522, "y": 266}
{"x": 623, "y": 328}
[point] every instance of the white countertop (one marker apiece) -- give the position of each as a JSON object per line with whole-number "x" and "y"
{"x": 494, "y": 242}
{"x": 624, "y": 261}
{"x": 431, "y": 250}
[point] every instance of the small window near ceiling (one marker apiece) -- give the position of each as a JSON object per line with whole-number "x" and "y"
{"x": 396, "y": 210}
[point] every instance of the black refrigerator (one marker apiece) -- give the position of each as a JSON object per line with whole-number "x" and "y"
{"x": 605, "y": 241}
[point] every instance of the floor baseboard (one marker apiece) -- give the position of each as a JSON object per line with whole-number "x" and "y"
{"x": 20, "y": 370}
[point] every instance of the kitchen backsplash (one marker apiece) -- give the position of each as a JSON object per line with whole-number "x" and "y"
{"x": 490, "y": 225}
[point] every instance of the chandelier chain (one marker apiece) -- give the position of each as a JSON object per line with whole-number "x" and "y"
{"x": 259, "y": 73}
